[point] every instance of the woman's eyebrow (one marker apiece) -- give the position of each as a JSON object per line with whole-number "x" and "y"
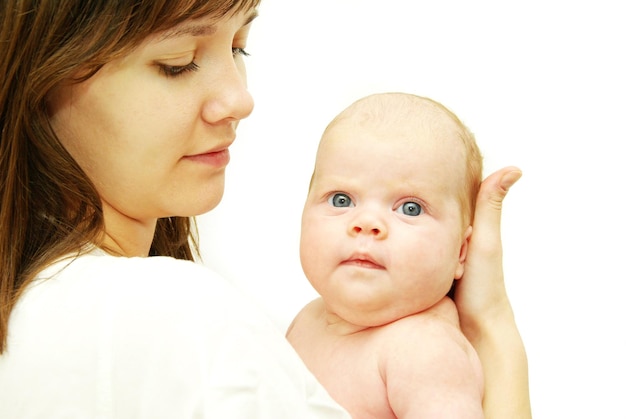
{"x": 193, "y": 30}
{"x": 201, "y": 30}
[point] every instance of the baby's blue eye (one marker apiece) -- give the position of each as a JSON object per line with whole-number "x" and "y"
{"x": 340, "y": 200}
{"x": 410, "y": 208}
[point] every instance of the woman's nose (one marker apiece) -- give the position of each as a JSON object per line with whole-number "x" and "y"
{"x": 228, "y": 98}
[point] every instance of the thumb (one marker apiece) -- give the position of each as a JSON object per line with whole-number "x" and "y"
{"x": 482, "y": 285}
{"x": 491, "y": 195}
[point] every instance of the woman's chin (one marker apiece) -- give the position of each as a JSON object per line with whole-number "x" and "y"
{"x": 207, "y": 204}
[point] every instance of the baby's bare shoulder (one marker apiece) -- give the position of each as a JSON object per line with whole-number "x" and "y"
{"x": 441, "y": 319}
{"x": 430, "y": 341}
{"x": 426, "y": 358}
{"x": 305, "y": 320}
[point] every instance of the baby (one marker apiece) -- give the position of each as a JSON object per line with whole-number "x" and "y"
{"x": 385, "y": 230}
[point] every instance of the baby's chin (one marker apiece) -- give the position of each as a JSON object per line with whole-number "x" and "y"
{"x": 376, "y": 317}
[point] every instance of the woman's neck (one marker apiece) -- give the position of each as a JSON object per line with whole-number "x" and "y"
{"x": 127, "y": 236}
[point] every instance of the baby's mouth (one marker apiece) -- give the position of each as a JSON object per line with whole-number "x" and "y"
{"x": 363, "y": 261}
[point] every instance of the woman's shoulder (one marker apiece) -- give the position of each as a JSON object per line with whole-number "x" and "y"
{"x": 99, "y": 262}
{"x": 98, "y": 268}
{"x": 147, "y": 288}
{"x": 153, "y": 335}
{"x": 157, "y": 307}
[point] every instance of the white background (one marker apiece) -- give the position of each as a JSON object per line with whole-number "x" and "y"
{"x": 541, "y": 84}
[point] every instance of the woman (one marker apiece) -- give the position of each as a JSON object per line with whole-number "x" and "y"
{"x": 116, "y": 122}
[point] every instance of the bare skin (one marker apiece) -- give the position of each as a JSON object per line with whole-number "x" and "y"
{"x": 384, "y": 234}
{"x": 485, "y": 312}
{"x": 402, "y": 369}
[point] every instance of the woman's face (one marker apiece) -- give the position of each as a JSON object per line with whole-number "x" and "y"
{"x": 152, "y": 129}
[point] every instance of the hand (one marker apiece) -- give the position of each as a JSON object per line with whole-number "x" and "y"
{"x": 480, "y": 295}
{"x": 485, "y": 312}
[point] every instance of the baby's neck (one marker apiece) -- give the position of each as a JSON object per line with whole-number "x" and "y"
{"x": 341, "y": 327}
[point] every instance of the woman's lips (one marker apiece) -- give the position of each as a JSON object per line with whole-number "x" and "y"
{"x": 218, "y": 158}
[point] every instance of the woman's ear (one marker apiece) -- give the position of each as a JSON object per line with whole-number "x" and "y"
{"x": 463, "y": 253}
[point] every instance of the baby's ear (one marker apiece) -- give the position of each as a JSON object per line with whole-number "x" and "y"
{"x": 463, "y": 253}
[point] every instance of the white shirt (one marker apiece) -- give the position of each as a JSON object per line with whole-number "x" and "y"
{"x": 112, "y": 337}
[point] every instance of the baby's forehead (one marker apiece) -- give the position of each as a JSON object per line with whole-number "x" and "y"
{"x": 424, "y": 128}
{"x": 400, "y": 111}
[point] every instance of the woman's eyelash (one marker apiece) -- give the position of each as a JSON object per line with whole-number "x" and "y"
{"x": 178, "y": 70}
{"x": 240, "y": 51}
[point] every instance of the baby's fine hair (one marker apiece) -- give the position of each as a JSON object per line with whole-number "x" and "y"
{"x": 395, "y": 107}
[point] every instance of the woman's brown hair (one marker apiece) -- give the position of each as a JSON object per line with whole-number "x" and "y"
{"x": 48, "y": 207}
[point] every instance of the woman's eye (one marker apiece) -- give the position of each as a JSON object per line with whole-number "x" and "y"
{"x": 340, "y": 200}
{"x": 178, "y": 70}
{"x": 412, "y": 209}
{"x": 240, "y": 51}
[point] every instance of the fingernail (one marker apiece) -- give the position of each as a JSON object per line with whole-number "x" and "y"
{"x": 510, "y": 178}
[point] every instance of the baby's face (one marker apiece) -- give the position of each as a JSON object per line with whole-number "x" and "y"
{"x": 382, "y": 232}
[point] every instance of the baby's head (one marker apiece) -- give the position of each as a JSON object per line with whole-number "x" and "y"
{"x": 407, "y": 113}
{"x": 387, "y": 221}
